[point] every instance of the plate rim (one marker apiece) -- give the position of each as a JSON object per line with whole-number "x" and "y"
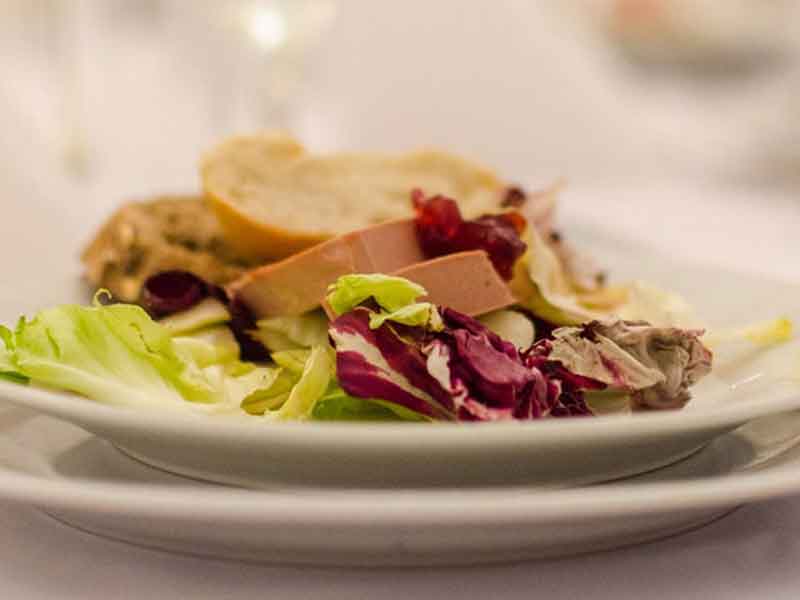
{"x": 394, "y": 436}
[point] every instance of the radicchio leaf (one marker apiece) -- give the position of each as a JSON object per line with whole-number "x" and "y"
{"x": 463, "y": 372}
{"x": 378, "y": 363}
{"x": 656, "y": 364}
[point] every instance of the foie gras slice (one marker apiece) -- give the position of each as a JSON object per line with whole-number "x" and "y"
{"x": 465, "y": 281}
{"x": 299, "y": 283}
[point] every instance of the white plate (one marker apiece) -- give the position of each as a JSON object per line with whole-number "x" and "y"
{"x": 549, "y": 453}
{"x": 84, "y": 481}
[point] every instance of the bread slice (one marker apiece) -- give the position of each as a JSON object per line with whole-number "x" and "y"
{"x": 273, "y": 199}
{"x": 168, "y": 232}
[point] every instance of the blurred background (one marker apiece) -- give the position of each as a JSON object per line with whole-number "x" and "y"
{"x": 103, "y": 101}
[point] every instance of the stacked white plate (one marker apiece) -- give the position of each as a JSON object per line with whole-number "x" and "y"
{"x": 405, "y": 494}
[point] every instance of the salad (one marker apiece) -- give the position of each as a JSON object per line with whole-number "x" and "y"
{"x": 333, "y": 287}
{"x": 378, "y": 346}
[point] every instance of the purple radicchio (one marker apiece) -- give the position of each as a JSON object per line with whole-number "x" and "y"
{"x": 463, "y": 372}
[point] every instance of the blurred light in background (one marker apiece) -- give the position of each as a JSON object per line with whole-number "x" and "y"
{"x": 266, "y": 26}
{"x": 704, "y": 34}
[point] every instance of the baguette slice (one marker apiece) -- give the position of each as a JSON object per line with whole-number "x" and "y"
{"x": 273, "y": 199}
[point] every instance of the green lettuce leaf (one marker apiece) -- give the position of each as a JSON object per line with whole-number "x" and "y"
{"x": 608, "y": 402}
{"x": 271, "y": 395}
{"x": 544, "y": 286}
{"x": 7, "y": 339}
{"x": 333, "y": 405}
{"x": 256, "y": 389}
{"x": 338, "y": 405}
{"x": 317, "y": 374}
{"x": 8, "y": 370}
{"x": 13, "y": 377}
{"x": 420, "y": 314}
{"x": 290, "y": 333}
{"x": 396, "y": 297}
{"x": 391, "y": 293}
{"x": 216, "y": 345}
{"x": 202, "y": 315}
{"x": 511, "y": 325}
{"x": 112, "y": 354}
{"x": 541, "y": 281}
{"x": 294, "y": 361}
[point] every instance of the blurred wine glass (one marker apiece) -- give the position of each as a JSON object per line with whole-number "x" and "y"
{"x": 134, "y": 89}
{"x": 262, "y": 51}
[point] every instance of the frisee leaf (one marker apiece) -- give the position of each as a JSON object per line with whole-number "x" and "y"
{"x": 390, "y": 293}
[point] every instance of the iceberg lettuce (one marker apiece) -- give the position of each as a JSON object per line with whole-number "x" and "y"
{"x": 390, "y": 293}
{"x": 338, "y": 405}
{"x": 114, "y": 354}
{"x": 545, "y": 288}
{"x": 206, "y": 313}
{"x": 294, "y": 361}
{"x": 318, "y": 372}
{"x": 210, "y": 346}
{"x": 265, "y": 390}
{"x": 542, "y": 284}
{"x": 419, "y": 314}
{"x": 395, "y": 296}
{"x": 7, "y": 369}
{"x": 290, "y": 333}
{"x": 511, "y": 325}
